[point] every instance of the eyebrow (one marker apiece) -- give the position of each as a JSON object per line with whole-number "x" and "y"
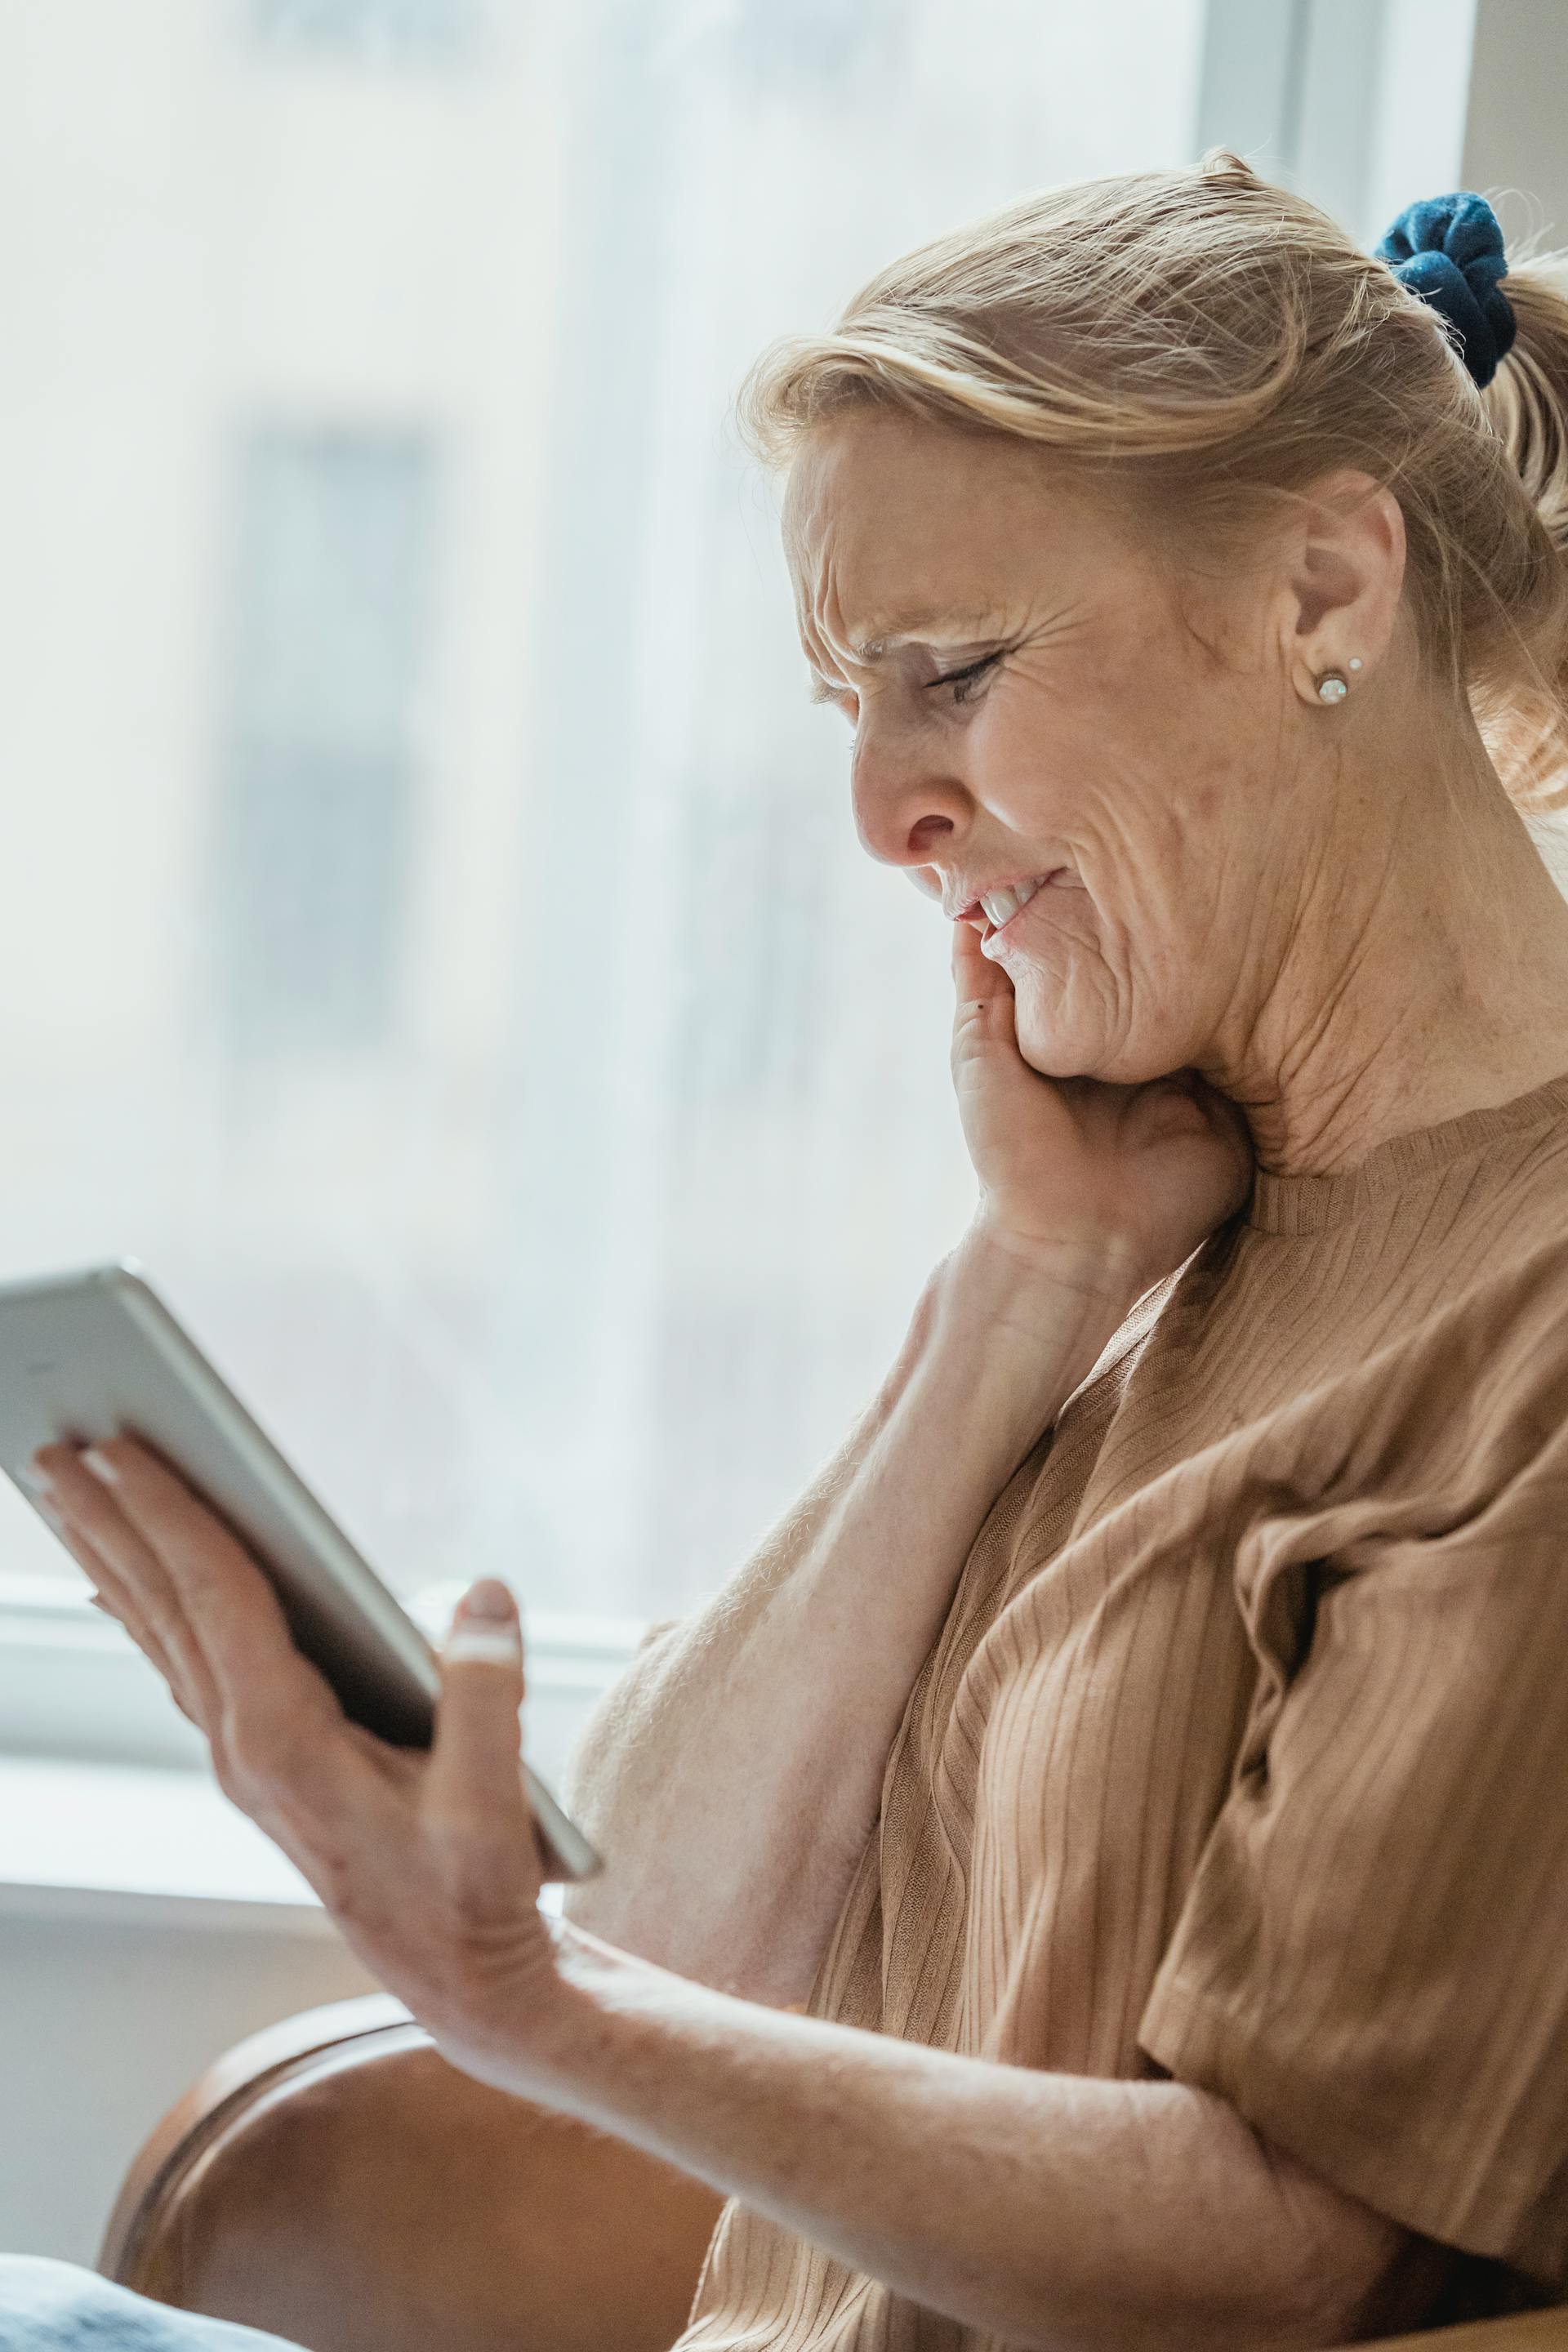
{"x": 895, "y": 629}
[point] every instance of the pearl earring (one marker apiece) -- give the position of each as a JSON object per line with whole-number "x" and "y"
{"x": 1333, "y": 685}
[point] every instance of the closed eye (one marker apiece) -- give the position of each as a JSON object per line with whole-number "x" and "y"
{"x": 959, "y": 678}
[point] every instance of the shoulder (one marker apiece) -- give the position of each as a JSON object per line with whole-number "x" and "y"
{"x": 1463, "y": 1412}
{"x": 1508, "y": 1312}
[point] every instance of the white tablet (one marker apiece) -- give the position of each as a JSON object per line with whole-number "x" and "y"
{"x": 97, "y": 1354}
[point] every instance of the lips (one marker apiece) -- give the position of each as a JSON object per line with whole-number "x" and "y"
{"x": 1012, "y": 904}
{"x": 1000, "y": 905}
{"x": 1000, "y": 901}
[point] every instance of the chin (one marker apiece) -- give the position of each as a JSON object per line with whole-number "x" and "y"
{"x": 1060, "y": 1038}
{"x": 1058, "y": 1051}
{"x": 1064, "y": 1040}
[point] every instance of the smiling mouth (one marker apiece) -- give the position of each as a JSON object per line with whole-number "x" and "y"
{"x": 1000, "y": 907}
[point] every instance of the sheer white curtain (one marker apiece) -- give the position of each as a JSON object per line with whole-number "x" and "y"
{"x": 433, "y": 937}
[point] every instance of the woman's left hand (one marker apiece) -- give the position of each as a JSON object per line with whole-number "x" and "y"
{"x": 425, "y": 1859}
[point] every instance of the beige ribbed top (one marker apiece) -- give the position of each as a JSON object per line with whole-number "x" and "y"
{"x": 1243, "y": 1754}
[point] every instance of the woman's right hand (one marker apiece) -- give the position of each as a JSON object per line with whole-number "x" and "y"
{"x": 1107, "y": 1188}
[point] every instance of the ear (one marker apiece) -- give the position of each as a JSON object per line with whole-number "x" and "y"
{"x": 1345, "y": 572}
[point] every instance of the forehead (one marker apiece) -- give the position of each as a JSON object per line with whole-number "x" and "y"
{"x": 892, "y": 525}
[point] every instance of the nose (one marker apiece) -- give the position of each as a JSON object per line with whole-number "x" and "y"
{"x": 909, "y": 808}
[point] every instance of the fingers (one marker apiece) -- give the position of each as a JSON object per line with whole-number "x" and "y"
{"x": 127, "y": 1573}
{"x": 111, "y": 1599}
{"x": 976, "y": 977}
{"x": 984, "y": 1013}
{"x": 174, "y": 1567}
{"x": 478, "y": 1749}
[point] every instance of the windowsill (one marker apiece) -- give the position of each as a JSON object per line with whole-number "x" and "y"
{"x": 96, "y": 1840}
{"x": 123, "y": 1843}
{"x": 73, "y": 1685}
{"x": 107, "y": 1809}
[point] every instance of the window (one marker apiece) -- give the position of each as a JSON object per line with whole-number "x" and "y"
{"x": 435, "y": 942}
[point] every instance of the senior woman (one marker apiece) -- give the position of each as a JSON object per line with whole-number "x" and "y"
{"x": 1095, "y": 1879}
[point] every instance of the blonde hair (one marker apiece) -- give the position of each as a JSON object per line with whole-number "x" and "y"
{"x": 1210, "y": 342}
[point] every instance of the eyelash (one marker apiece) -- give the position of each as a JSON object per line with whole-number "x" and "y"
{"x": 970, "y": 674}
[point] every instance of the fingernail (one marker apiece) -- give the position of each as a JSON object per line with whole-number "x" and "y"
{"x": 36, "y": 1482}
{"x": 483, "y": 1645}
{"x": 485, "y": 1631}
{"x": 102, "y": 1468}
{"x": 489, "y": 1598}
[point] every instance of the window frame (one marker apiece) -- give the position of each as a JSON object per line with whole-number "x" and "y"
{"x": 74, "y": 1688}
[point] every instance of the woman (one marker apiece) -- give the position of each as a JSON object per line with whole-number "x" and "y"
{"x": 1144, "y": 1753}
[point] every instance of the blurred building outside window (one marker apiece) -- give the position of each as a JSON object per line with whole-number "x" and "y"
{"x": 372, "y": 29}
{"x": 330, "y": 603}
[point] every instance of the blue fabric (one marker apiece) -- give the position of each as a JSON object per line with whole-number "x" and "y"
{"x": 53, "y": 2307}
{"x": 1449, "y": 250}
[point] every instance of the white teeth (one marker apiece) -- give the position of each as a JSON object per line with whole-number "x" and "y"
{"x": 1001, "y": 905}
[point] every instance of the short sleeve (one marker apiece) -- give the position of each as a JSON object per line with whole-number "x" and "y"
{"x": 1370, "y": 1964}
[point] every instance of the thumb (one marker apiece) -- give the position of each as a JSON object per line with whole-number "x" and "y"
{"x": 478, "y": 1747}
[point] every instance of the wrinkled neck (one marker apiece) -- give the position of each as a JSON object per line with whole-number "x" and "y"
{"x": 1421, "y": 968}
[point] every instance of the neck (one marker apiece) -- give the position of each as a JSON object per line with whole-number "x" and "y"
{"x": 1420, "y": 972}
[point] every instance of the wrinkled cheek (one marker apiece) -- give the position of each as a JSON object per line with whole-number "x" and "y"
{"x": 1067, "y": 1005}
{"x": 1063, "y": 947}
{"x": 1097, "y": 995}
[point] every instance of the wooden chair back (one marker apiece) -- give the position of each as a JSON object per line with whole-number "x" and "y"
{"x": 335, "y": 2181}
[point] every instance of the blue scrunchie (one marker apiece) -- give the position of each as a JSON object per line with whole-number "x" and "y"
{"x": 1449, "y": 250}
